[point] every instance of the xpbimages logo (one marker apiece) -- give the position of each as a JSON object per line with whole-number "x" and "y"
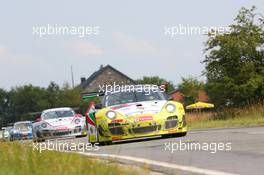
{"x": 60, "y": 30}
{"x": 189, "y": 30}
{"x": 147, "y": 89}
{"x": 212, "y": 147}
{"x": 64, "y": 146}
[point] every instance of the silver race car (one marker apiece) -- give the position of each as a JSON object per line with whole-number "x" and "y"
{"x": 59, "y": 122}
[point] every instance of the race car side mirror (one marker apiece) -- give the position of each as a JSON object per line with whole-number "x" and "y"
{"x": 170, "y": 97}
{"x": 78, "y": 115}
{"x": 98, "y": 106}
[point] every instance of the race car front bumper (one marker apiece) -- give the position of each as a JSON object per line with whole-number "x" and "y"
{"x": 55, "y": 133}
{"x": 21, "y": 136}
{"x": 121, "y": 129}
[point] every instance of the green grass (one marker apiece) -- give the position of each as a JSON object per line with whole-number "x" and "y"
{"x": 233, "y": 117}
{"x": 19, "y": 159}
{"x": 232, "y": 122}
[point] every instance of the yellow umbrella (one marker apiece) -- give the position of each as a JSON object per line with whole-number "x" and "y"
{"x": 200, "y": 105}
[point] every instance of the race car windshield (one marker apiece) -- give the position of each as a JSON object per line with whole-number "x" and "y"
{"x": 22, "y": 126}
{"x": 58, "y": 114}
{"x": 130, "y": 97}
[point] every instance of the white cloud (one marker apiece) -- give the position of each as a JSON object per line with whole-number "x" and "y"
{"x": 11, "y": 58}
{"x": 134, "y": 45}
{"x": 19, "y": 68}
{"x": 85, "y": 48}
{"x": 3, "y": 51}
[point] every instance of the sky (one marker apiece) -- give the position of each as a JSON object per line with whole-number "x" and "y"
{"x": 134, "y": 37}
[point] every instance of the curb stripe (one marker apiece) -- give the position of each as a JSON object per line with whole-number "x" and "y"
{"x": 158, "y": 163}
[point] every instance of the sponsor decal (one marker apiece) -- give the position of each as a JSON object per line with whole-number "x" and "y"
{"x": 143, "y": 118}
{"x": 172, "y": 131}
{"x": 116, "y": 138}
{"x": 61, "y": 128}
{"x": 120, "y": 106}
{"x": 117, "y": 121}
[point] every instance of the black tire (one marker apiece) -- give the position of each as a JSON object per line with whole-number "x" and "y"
{"x": 182, "y": 134}
{"x": 80, "y": 136}
{"x": 165, "y": 136}
{"x": 38, "y": 140}
{"x": 97, "y": 141}
{"x": 105, "y": 143}
{"x": 93, "y": 143}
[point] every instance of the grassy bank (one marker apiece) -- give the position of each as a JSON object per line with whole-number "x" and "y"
{"x": 19, "y": 159}
{"x": 247, "y": 116}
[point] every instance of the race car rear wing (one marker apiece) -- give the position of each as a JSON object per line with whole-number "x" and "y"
{"x": 92, "y": 95}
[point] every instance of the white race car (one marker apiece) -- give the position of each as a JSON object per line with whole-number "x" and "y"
{"x": 59, "y": 122}
{"x": 6, "y": 133}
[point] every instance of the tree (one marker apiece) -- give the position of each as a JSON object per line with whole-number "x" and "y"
{"x": 155, "y": 80}
{"x": 235, "y": 61}
{"x": 27, "y": 99}
{"x": 84, "y": 104}
{"x": 190, "y": 88}
{"x": 69, "y": 97}
{"x": 3, "y": 106}
{"x": 16, "y": 104}
{"x": 2, "y": 102}
{"x": 53, "y": 95}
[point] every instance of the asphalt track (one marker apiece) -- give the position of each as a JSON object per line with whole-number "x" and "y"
{"x": 245, "y": 154}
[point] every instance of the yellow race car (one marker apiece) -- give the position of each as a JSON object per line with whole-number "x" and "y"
{"x": 134, "y": 114}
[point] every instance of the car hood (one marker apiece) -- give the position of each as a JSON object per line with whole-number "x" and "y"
{"x": 139, "y": 108}
{"x": 60, "y": 121}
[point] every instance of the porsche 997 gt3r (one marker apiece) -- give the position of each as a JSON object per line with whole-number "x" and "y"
{"x": 21, "y": 130}
{"x": 128, "y": 115}
{"x": 59, "y": 122}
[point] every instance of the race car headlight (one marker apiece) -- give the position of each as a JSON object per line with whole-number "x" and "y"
{"x": 44, "y": 125}
{"x": 111, "y": 114}
{"x": 77, "y": 121}
{"x": 170, "y": 108}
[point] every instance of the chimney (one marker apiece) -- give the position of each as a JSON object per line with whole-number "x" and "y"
{"x": 83, "y": 79}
